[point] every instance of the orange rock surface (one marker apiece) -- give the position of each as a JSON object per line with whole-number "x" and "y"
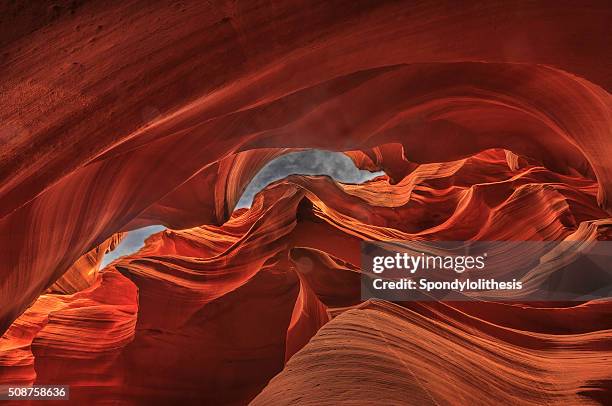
{"x": 491, "y": 122}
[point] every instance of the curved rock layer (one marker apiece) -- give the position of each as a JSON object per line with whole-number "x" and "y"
{"x": 397, "y": 356}
{"x": 83, "y": 273}
{"x": 491, "y": 122}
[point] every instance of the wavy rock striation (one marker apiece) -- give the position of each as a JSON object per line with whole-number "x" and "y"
{"x": 222, "y": 307}
{"x": 491, "y": 122}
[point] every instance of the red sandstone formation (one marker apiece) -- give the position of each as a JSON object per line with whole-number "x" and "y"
{"x": 402, "y": 357}
{"x": 220, "y": 307}
{"x": 83, "y": 273}
{"x": 491, "y": 121}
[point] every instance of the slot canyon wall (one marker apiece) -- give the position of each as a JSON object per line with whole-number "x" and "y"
{"x": 491, "y": 121}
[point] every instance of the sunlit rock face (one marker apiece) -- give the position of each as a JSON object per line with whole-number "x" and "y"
{"x": 490, "y": 122}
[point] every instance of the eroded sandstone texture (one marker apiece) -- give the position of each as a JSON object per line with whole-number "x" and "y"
{"x": 492, "y": 121}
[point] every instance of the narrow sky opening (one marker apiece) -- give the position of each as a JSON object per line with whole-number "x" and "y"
{"x": 309, "y": 162}
{"x": 132, "y": 242}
